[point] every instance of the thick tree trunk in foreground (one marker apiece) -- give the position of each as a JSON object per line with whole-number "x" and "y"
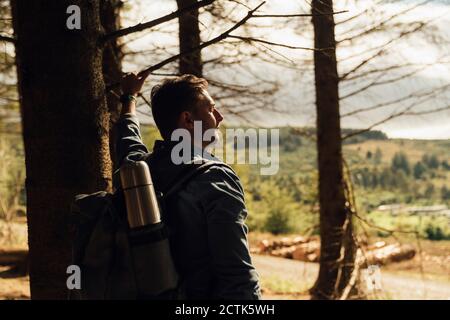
{"x": 65, "y": 128}
{"x": 333, "y": 212}
{"x": 112, "y": 65}
{"x": 189, "y": 37}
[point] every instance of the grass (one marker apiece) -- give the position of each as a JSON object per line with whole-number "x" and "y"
{"x": 278, "y": 285}
{"x": 414, "y": 149}
{"x": 409, "y": 223}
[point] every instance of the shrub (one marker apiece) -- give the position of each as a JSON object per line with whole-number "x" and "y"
{"x": 278, "y": 221}
{"x": 435, "y": 233}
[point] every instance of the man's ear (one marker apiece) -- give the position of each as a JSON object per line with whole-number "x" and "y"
{"x": 186, "y": 121}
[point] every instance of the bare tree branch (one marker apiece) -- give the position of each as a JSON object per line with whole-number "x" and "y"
{"x": 297, "y": 15}
{"x": 224, "y": 35}
{"x": 240, "y": 3}
{"x": 385, "y": 45}
{"x": 405, "y": 111}
{"x": 150, "y": 24}
{"x": 359, "y": 14}
{"x": 381, "y": 24}
{"x": 243, "y": 117}
{"x": 417, "y": 113}
{"x": 376, "y": 82}
{"x": 363, "y": 63}
{"x": 430, "y": 93}
{"x": 249, "y": 39}
{"x": 390, "y": 68}
{"x": 220, "y": 37}
{"x": 272, "y": 51}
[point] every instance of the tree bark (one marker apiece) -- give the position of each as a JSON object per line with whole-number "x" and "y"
{"x": 333, "y": 212}
{"x": 189, "y": 37}
{"x": 112, "y": 65}
{"x": 65, "y": 127}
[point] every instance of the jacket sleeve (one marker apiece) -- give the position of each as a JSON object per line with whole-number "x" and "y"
{"x": 129, "y": 145}
{"x": 222, "y": 198}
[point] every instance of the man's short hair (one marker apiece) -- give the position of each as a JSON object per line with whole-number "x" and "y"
{"x": 171, "y": 98}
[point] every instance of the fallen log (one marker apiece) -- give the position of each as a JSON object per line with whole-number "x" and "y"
{"x": 283, "y": 252}
{"x": 377, "y": 245}
{"x": 13, "y": 257}
{"x": 309, "y": 252}
{"x": 389, "y": 254}
{"x": 270, "y": 245}
{"x": 308, "y": 249}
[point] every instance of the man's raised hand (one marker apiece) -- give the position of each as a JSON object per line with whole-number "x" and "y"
{"x": 132, "y": 83}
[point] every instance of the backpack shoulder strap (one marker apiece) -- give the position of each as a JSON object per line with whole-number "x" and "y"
{"x": 193, "y": 172}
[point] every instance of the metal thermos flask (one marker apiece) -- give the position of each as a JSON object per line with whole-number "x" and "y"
{"x": 153, "y": 265}
{"x": 140, "y": 198}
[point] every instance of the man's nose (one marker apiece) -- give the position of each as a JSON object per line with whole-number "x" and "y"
{"x": 218, "y": 116}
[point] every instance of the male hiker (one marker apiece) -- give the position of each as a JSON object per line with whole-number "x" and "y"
{"x": 206, "y": 217}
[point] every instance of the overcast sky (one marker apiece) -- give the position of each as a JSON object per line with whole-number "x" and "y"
{"x": 427, "y": 54}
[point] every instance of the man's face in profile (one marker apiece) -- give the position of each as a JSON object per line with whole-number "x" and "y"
{"x": 206, "y": 112}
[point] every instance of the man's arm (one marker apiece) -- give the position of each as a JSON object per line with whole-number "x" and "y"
{"x": 222, "y": 198}
{"x": 129, "y": 145}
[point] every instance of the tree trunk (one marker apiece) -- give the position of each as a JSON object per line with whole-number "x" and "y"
{"x": 65, "y": 127}
{"x": 189, "y": 37}
{"x": 333, "y": 212}
{"x": 112, "y": 65}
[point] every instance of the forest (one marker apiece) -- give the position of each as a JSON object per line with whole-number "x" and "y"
{"x": 356, "y": 90}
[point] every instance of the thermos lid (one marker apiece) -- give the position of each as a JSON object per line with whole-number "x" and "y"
{"x": 133, "y": 174}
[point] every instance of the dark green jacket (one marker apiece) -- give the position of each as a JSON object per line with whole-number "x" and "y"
{"x": 206, "y": 220}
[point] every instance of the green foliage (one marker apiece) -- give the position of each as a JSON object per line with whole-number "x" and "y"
{"x": 428, "y": 227}
{"x": 429, "y": 191}
{"x": 434, "y": 232}
{"x": 445, "y": 193}
{"x": 288, "y": 201}
{"x": 279, "y": 204}
{"x": 290, "y": 142}
{"x": 400, "y": 162}
{"x": 378, "y": 156}
{"x": 445, "y": 165}
{"x": 388, "y": 182}
{"x": 418, "y": 170}
{"x": 277, "y": 207}
{"x": 369, "y": 135}
{"x": 431, "y": 161}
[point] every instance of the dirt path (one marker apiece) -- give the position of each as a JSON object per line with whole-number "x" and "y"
{"x": 303, "y": 274}
{"x": 293, "y": 276}
{"x": 13, "y": 287}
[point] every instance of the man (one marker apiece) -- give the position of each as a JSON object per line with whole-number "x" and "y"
{"x": 205, "y": 218}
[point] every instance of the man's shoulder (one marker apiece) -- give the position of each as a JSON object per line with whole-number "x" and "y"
{"x": 217, "y": 178}
{"x": 216, "y": 170}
